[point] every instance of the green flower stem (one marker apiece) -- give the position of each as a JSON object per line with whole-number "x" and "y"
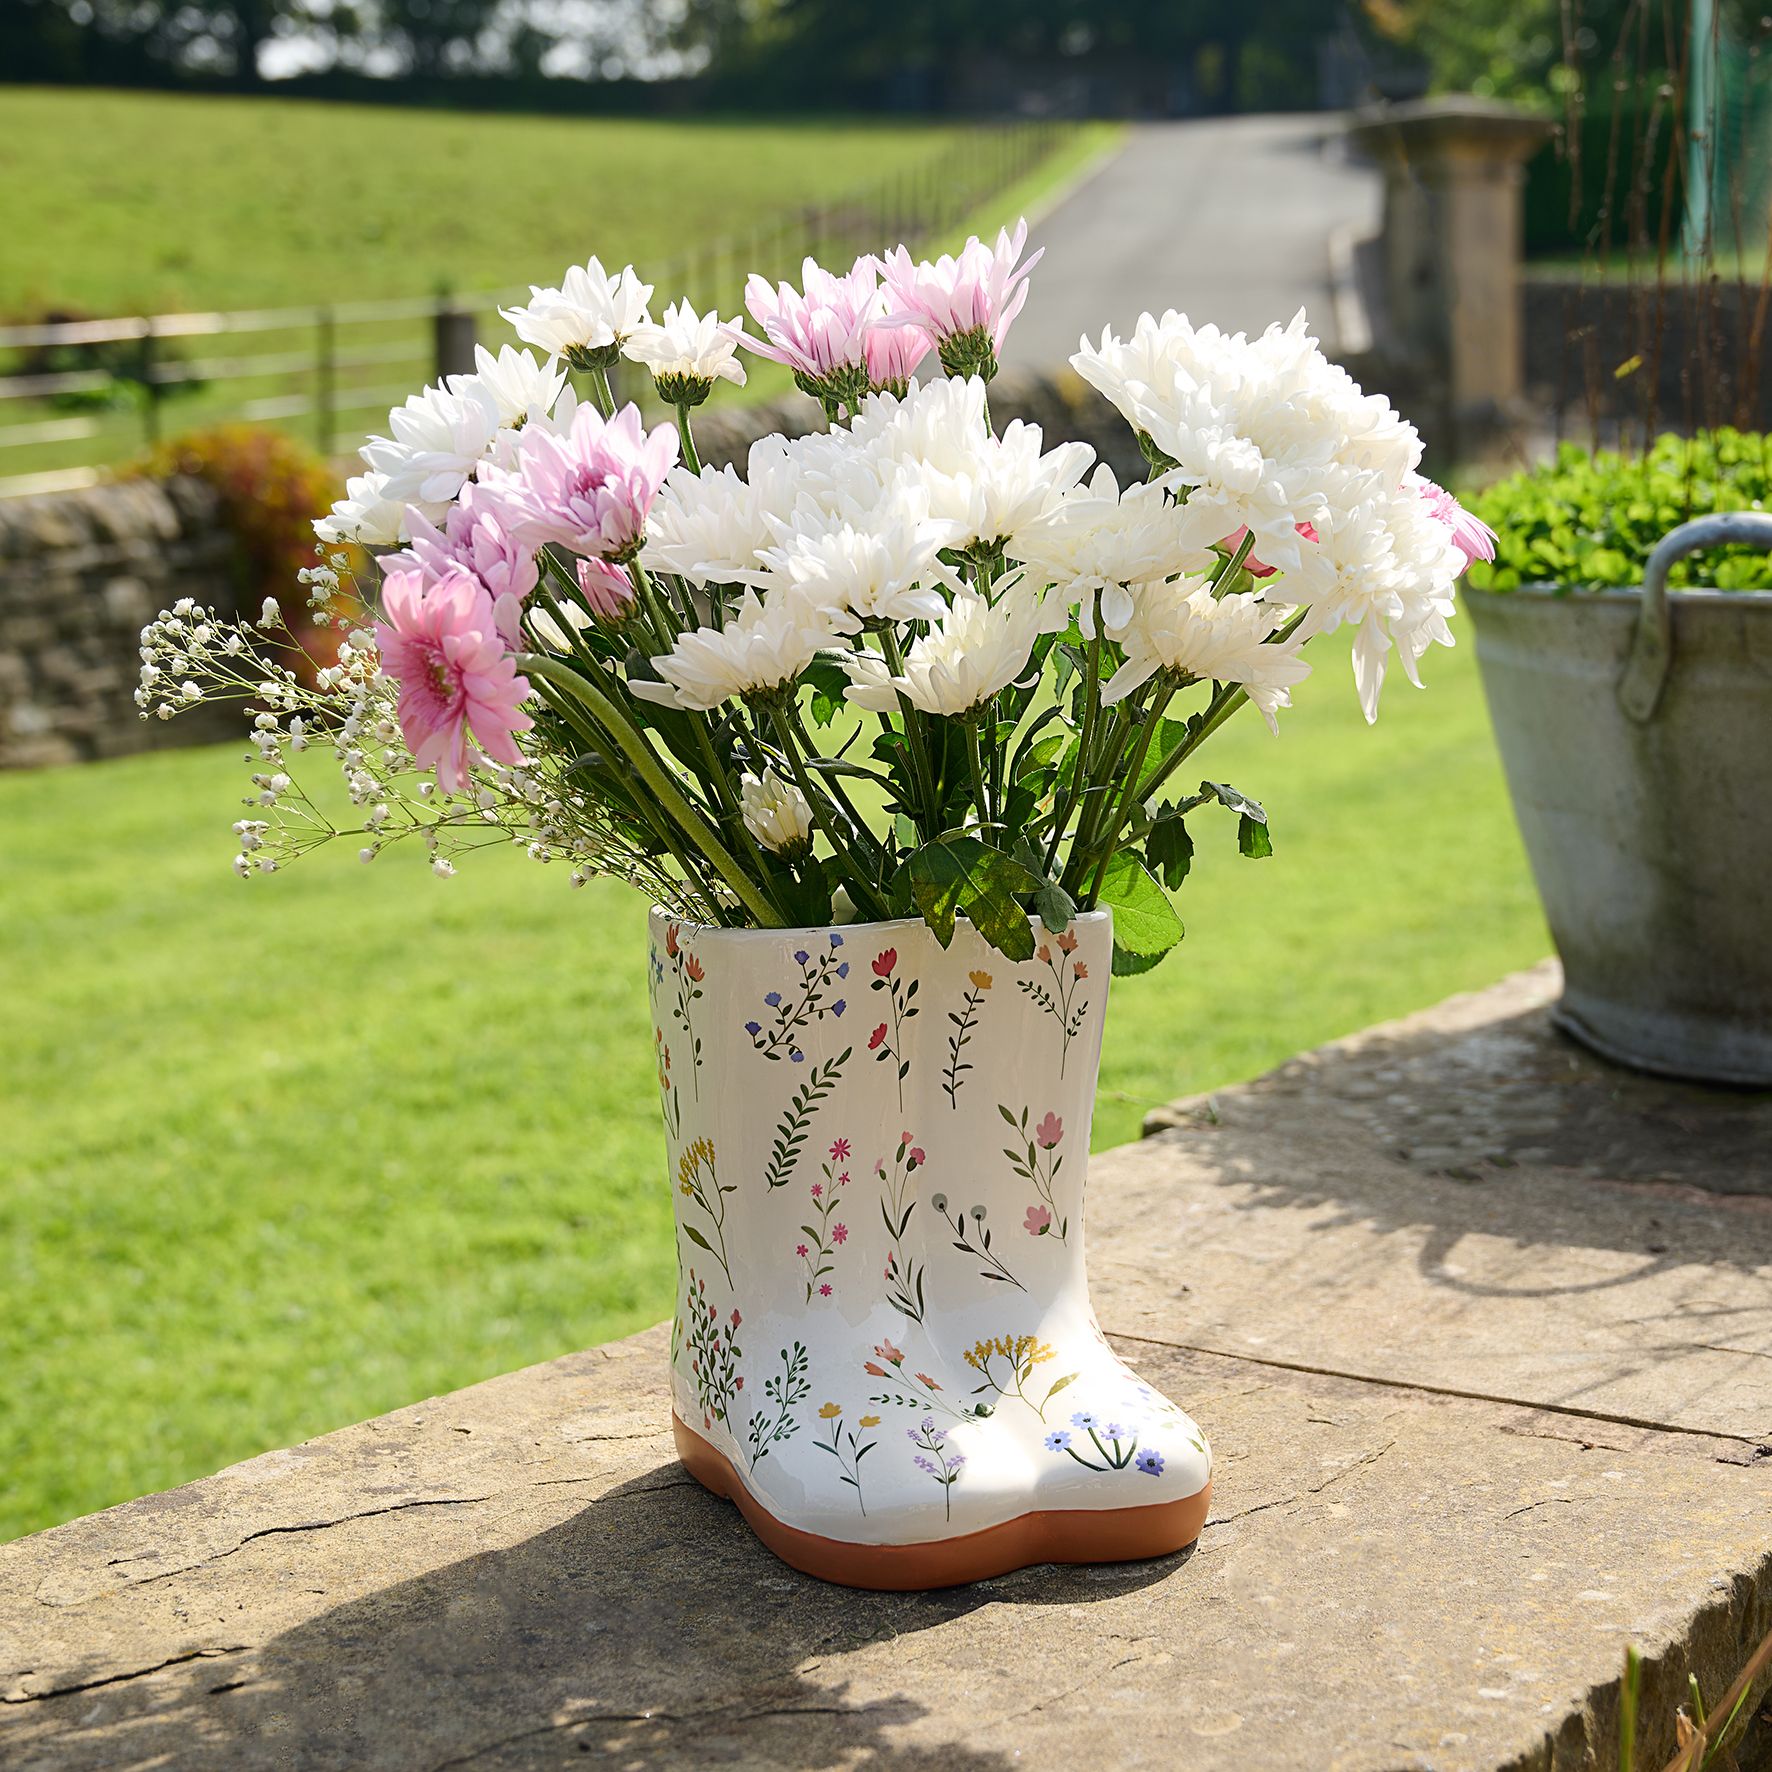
{"x": 1091, "y": 709}
{"x": 1096, "y": 796}
{"x": 834, "y": 786}
{"x": 975, "y": 763}
{"x": 602, "y": 393}
{"x": 1129, "y": 794}
{"x": 691, "y": 460}
{"x": 816, "y": 799}
{"x": 667, "y": 629}
{"x": 658, "y": 779}
{"x": 914, "y": 734}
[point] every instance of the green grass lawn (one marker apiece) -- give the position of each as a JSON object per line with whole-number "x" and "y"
{"x": 284, "y": 1154}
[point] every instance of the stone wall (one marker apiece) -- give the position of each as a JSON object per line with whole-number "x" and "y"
{"x": 80, "y": 574}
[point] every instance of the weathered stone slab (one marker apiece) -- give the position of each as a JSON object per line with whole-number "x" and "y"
{"x": 1430, "y": 1553}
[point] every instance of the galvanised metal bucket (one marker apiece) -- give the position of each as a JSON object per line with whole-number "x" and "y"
{"x": 1636, "y": 732}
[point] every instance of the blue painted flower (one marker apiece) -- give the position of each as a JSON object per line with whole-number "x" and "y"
{"x": 801, "y": 957}
{"x": 753, "y": 1028}
{"x": 796, "y": 1056}
{"x": 773, "y": 999}
{"x": 843, "y": 970}
{"x": 1083, "y": 1419}
{"x": 1058, "y": 1440}
{"x": 836, "y": 939}
{"x": 1150, "y": 1462}
{"x": 839, "y": 1006}
{"x": 1116, "y": 1431}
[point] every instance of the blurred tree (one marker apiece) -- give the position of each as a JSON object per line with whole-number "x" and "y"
{"x": 123, "y": 39}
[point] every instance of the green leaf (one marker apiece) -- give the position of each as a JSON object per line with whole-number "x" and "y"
{"x": 697, "y": 1238}
{"x": 958, "y": 873}
{"x": 1252, "y": 837}
{"x": 827, "y": 679}
{"x": 1144, "y": 920}
{"x": 1170, "y": 849}
{"x": 1127, "y": 965}
{"x": 1055, "y": 907}
{"x": 1229, "y": 797}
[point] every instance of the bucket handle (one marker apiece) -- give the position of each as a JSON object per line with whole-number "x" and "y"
{"x": 1652, "y": 648}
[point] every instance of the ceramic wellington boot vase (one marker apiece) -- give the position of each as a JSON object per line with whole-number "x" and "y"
{"x": 883, "y": 1349}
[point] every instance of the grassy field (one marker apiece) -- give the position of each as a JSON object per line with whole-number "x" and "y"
{"x": 281, "y": 1155}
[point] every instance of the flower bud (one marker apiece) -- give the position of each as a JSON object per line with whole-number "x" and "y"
{"x": 777, "y": 814}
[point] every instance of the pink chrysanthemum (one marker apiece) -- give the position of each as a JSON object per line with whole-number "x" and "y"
{"x": 589, "y": 489}
{"x": 458, "y": 688}
{"x": 1470, "y": 534}
{"x": 607, "y": 590}
{"x": 966, "y": 304}
{"x": 821, "y": 332}
{"x": 893, "y": 353}
{"x": 474, "y": 538}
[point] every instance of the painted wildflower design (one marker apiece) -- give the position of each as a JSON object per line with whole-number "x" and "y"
{"x": 972, "y": 1236}
{"x": 1006, "y": 1365}
{"x": 912, "y": 1389}
{"x": 697, "y": 1180}
{"x": 669, "y": 1104}
{"x": 898, "y": 1201}
{"x": 775, "y": 1422}
{"x": 793, "y": 1011}
{"x": 1059, "y": 999}
{"x": 1035, "y": 1158}
{"x": 934, "y": 1460}
{"x": 847, "y": 1445}
{"x": 689, "y": 973}
{"x": 886, "y": 1042}
{"x": 820, "y": 1239}
{"x": 978, "y": 983}
{"x": 796, "y": 1122}
{"x": 1115, "y": 1445}
{"x": 714, "y": 1352}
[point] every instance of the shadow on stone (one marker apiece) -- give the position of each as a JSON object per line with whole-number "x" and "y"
{"x": 649, "y": 1630}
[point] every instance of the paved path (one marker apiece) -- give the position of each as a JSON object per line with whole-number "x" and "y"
{"x": 1486, "y": 1363}
{"x": 1227, "y": 219}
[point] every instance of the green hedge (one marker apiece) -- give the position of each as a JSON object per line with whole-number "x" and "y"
{"x": 1589, "y": 522}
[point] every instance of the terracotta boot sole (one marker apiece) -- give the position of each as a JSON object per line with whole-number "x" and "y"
{"x": 1065, "y": 1535}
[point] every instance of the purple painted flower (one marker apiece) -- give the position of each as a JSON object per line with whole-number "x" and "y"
{"x": 753, "y": 1028}
{"x": 773, "y": 999}
{"x": 801, "y": 957}
{"x": 843, "y": 969}
{"x": 1083, "y": 1419}
{"x": 796, "y": 1056}
{"x": 923, "y": 1464}
{"x": 836, "y": 939}
{"x": 1116, "y": 1431}
{"x": 839, "y": 1006}
{"x": 1150, "y": 1462}
{"x": 1058, "y": 1440}
{"x": 958, "y": 1459}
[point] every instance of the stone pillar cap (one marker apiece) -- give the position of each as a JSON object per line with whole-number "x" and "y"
{"x": 1452, "y": 122}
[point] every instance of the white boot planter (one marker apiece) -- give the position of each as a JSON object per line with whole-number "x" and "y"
{"x": 888, "y": 726}
{"x": 884, "y": 1351}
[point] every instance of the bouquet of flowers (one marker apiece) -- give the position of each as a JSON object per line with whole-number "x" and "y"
{"x": 908, "y": 664}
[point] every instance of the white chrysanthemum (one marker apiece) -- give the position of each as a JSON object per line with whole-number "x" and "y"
{"x": 1102, "y": 540}
{"x": 1220, "y": 639}
{"x": 776, "y": 813}
{"x": 709, "y": 528}
{"x": 865, "y": 561}
{"x": 764, "y": 646}
{"x": 519, "y": 389}
{"x": 1383, "y": 565}
{"x": 590, "y": 311}
{"x": 688, "y": 347}
{"x": 365, "y": 514}
{"x": 439, "y": 438}
{"x": 979, "y": 648}
{"x": 507, "y": 447}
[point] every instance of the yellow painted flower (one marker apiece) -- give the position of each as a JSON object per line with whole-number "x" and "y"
{"x": 830, "y": 1411}
{"x": 694, "y": 1155}
{"x": 870, "y": 1421}
{"x": 981, "y": 980}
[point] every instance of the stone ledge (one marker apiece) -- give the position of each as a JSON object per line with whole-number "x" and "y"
{"x": 1473, "y": 1438}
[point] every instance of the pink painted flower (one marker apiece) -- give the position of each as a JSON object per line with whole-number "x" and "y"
{"x": 966, "y": 302}
{"x": 839, "y": 1150}
{"x": 843, "y": 1179}
{"x": 1067, "y": 942}
{"x": 607, "y": 590}
{"x": 736, "y": 1318}
{"x": 884, "y": 961}
{"x": 876, "y": 1037}
{"x": 917, "y": 1159}
{"x": 819, "y": 332}
{"x": 839, "y": 1233}
{"x": 818, "y": 1190}
{"x": 1038, "y": 1221}
{"x": 824, "y": 1291}
{"x": 886, "y": 1351}
{"x": 474, "y": 538}
{"x": 929, "y": 1383}
{"x": 1049, "y": 1131}
{"x": 1470, "y": 535}
{"x": 458, "y": 687}
{"x": 588, "y": 489}
{"x": 800, "y": 1250}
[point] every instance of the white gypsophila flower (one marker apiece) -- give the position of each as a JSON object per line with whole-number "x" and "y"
{"x": 866, "y": 559}
{"x": 688, "y": 348}
{"x": 764, "y": 646}
{"x": 518, "y": 389}
{"x": 1221, "y": 639}
{"x": 365, "y": 514}
{"x": 709, "y": 528}
{"x": 1098, "y": 541}
{"x": 776, "y": 813}
{"x": 440, "y": 436}
{"x": 590, "y": 311}
{"x": 978, "y": 649}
